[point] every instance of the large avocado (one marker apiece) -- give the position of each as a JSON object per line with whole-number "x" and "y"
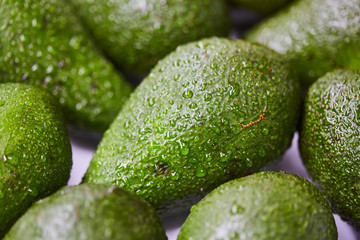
{"x": 42, "y": 43}
{"x": 262, "y": 206}
{"x": 89, "y": 212}
{"x": 35, "y": 152}
{"x": 315, "y": 36}
{"x": 136, "y": 34}
{"x": 330, "y": 140}
{"x": 209, "y": 112}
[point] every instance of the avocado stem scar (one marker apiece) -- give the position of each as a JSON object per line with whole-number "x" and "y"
{"x": 261, "y": 117}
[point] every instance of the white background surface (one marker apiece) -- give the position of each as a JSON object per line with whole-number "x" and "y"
{"x": 291, "y": 162}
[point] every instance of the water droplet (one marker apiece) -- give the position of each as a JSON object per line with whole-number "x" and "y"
{"x": 224, "y": 157}
{"x": 121, "y": 149}
{"x": 236, "y": 209}
{"x": 188, "y": 94}
{"x": 2, "y": 103}
{"x": 211, "y": 144}
{"x": 43, "y": 159}
{"x": 208, "y": 157}
{"x": 216, "y": 129}
{"x": 265, "y": 131}
{"x": 33, "y": 192}
{"x": 210, "y": 109}
{"x": 151, "y": 102}
{"x": 176, "y": 77}
{"x": 193, "y": 105}
{"x": 184, "y": 148}
{"x": 193, "y": 160}
{"x": 179, "y": 107}
{"x": 172, "y": 122}
{"x": 171, "y": 102}
{"x": 200, "y": 172}
{"x": 13, "y": 160}
{"x": 160, "y": 129}
{"x": 234, "y": 91}
{"x": 249, "y": 163}
{"x": 213, "y": 65}
{"x": 224, "y": 121}
{"x": 207, "y": 97}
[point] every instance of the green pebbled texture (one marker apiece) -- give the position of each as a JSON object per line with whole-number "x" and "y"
{"x": 262, "y": 206}
{"x": 136, "y": 34}
{"x": 261, "y": 6}
{"x": 42, "y": 43}
{"x": 35, "y": 152}
{"x": 330, "y": 140}
{"x": 89, "y": 212}
{"x": 315, "y": 36}
{"x": 180, "y": 135}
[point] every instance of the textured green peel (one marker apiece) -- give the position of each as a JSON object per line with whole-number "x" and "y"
{"x": 209, "y": 112}
{"x": 330, "y": 140}
{"x": 42, "y": 43}
{"x": 315, "y": 36}
{"x": 35, "y": 153}
{"x": 136, "y": 34}
{"x": 262, "y": 206}
{"x": 89, "y": 212}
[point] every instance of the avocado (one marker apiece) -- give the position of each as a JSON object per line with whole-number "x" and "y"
{"x": 35, "y": 152}
{"x": 263, "y": 7}
{"x": 330, "y": 140}
{"x": 42, "y": 43}
{"x": 137, "y": 34}
{"x": 211, "y": 111}
{"x": 262, "y": 206}
{"x": 89, "y": 212}
{"x": 315, "y": 36}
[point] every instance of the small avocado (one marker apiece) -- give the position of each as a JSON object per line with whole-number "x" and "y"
{"x": 315, "y": 36}
{"x": 262, "y": 206}
{"x": 264, "y": 7}
{"x": 137, "y": 34}
{"x": 89, "y": 212}
{"x": 35, "y": 152}
{"x": 42, "y": 43}
{"x": 330, "y": 140}
{"x": 211, "y": 111}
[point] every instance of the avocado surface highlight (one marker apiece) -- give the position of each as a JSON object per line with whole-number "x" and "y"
{"x": 330, "y": 140}
{"x": 42, "y": 43}
{"x": 315, "y": 36}
{"x": 262, "y": 206}
{"x": 35, "y": 152}
{"x": 89, "y": 212}
{"x": 136, "y": 34}
{"x": 211, "y": 111}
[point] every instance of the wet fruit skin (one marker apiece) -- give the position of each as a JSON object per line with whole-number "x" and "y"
{"x": 330, "y": 140}
{"x": 315, "y": 36}
{"x": 42, "y": 43}
{"x": 137, "y": 34}
{"x": 211, "y": 111}
{"x": 262, "y": 206}
{"x": 35, "y": 152}
{"x": 264, "y": 7}
{"x": 89, "y": 212}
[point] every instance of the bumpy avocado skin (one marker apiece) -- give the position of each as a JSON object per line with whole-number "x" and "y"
{"x": 315, "y": 36}
{"x": 42, "y": 43}
{"x": 330, "y": 140}
{"x": 261, "y": 6}
{"x": 262, "y": 206}
{"x": 35, "y": 152}
{"x": 209, "y": 112}
{"x": 137, "y": 34}
{"x": 89, "y": 212}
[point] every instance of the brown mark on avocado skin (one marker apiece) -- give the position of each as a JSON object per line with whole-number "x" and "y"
{"x": 261, "y": 117}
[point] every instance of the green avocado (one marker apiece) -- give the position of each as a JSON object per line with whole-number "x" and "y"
{"x": 35, "y": 152}
{"x": 89, "y": 212}
{"x": 42, "y": 43}
{"x": 211, "y": 111}
{"x": 330, "y": 140}
{"x": 136, "y": 34}
{"x": 262, "y": 206}
{"x": 315, "y": 36}
{"x": 264, "y": 7}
